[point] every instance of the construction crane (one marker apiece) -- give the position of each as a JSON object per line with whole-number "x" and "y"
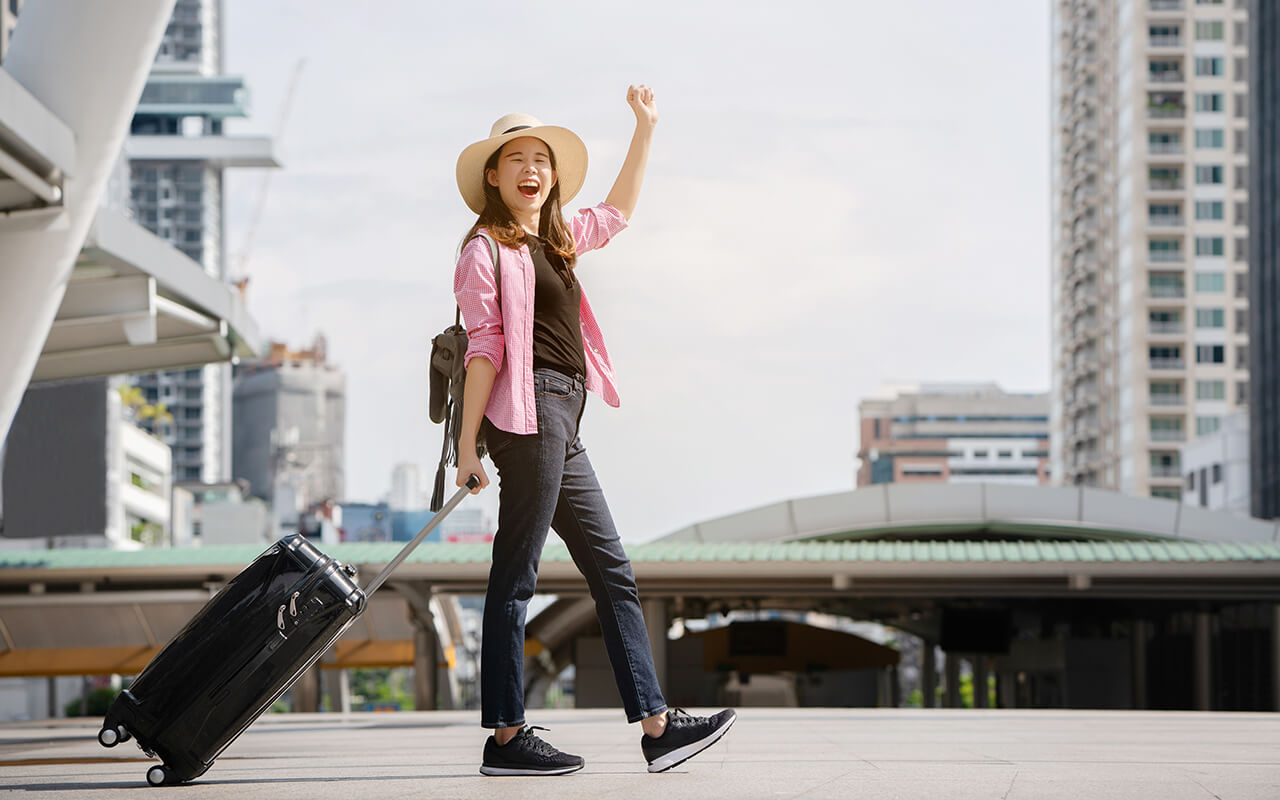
{"x": 238, "y": 275}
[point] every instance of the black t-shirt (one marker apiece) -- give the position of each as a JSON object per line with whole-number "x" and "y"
{"x": 557, "y": 327}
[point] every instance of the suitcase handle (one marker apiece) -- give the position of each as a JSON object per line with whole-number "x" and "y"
{"x": 376, "y": 583}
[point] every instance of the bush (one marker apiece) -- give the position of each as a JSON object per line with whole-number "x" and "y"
{"x": 100, "y": 700}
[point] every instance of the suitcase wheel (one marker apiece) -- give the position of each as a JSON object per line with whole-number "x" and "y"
{"x": 110, "y": 737}
{"x": 158, "y": 775}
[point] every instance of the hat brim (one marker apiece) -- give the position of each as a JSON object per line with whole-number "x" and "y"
{"x": 569, "y": 151}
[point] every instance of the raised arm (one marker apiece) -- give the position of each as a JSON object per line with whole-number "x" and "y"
{"x": 626, "y": 189}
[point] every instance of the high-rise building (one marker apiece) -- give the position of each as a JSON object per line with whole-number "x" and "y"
{"x": 407, "y": 488}
{"x": 177, "y": 154}
{"x": 290, "y": 423}
{"x": 1264, "y": 258}
{"x": 1150, "y": 230}
{"x": 953, "y": 433}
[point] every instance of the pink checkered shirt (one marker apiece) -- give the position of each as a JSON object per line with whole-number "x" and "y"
{"x": 505, "y": 336}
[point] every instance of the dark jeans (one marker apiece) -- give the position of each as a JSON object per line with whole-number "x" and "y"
{"x": 546, "y": 481}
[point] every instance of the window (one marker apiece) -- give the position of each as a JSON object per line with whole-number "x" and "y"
{"x": 1242, "y": 141}
{"x": 1208, "y": 174}
{"x": 1163, "y": 142}
{"x": 1207, "y": 425}
{"x": 1242, "y": 249}
{"x": 1242, "y": 213}
{"x": 1242, "y": 393}
{"x": 1209, "y": 318}
{"x": 1004, "y": 454}
{"x": 1210, "y": 66}
{"x": 876, "y": 428}
{"x": 1242, "y": 178}
{"x": 1217, "y": 473}
{"x": 1163, "y": 35}
{"x": 1209, "y": 101}
{"x": 1242, "y": 356}
{"x": 1211, "y": 390}
{"x": 1191, "y": 482}
{"x": 1209, "y": 138}
{"x": 1163, "y": 284}
{"x": 1209, "y": 246}
{"x": 1164, "y": 250}
{"x": 979, "y": 453}
{"x": 1210, "y": 354}
{"x": 1242, "y": 285}
{"x": 1209, "y": 31}
{"x": 1208, "y": 209}
{"x": 1241, "y": 70}
{"x": 1242, "y": 320}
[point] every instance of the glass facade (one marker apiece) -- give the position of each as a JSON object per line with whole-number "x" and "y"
{"x": 1264, "y": 258}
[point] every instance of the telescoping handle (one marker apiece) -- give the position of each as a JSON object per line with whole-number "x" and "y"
{"x": 472, "y": 482}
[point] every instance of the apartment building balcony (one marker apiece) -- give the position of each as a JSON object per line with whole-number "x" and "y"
{"x": 1165, "y": 256}
{"x": 1165, "y": 184}
{"x": 1166, "y": 111}
{"x": 1164, "y": 472}
{"x": 1167, "y": 292}
{"x": 1165, "y": 328}
{"x": 1165, "y": 41}
{"x": 1166, "y": 76}
{"x": 1167, "y": 363}
{"x": 1165, "y": 149}
{"x": 1165, "y": 435}
{"x": 1167, "y": 400}
{"x": 1165, "y": 221}
{"x": 1165, "y": 5}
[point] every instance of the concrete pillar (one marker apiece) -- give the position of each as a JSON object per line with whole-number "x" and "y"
{"x": 86, "y": 63}
{"x": 1275, "y": 657}
{"x": 980, "y": 697}
{"x": 929, "y": 674}
{"x": 951, "y": 683}
{"x": 1200, "y": 648}
{"x": 337, "y": 684}
{"x": 657, "y": 621}
{"x": 306, "y": 692}
{"x": 1141, "y": 633}
{"x": 424, "y": 663}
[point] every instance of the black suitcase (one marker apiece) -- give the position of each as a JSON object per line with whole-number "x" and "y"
{"x": 235, "y": 657}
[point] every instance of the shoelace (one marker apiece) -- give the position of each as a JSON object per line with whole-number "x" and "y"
{"x": 678, "y": 718}
{"x": 535, "y": 743}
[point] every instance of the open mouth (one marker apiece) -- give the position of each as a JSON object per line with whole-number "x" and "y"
{"x": 528, "y": 188}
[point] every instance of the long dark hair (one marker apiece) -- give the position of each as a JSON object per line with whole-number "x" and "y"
{"x": 496, "y": 218}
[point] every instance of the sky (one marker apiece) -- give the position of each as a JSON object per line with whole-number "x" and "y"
{"x": 840, "y": 195}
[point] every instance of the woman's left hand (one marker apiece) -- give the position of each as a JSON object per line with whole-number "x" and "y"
{"x": 641, "y": 99}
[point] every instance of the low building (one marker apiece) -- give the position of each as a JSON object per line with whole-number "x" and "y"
{"x": 1215, "y": 468}
{"x": 953, "y": 433}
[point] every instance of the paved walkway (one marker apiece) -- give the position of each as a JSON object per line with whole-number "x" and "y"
{"x": 770, "y": 753}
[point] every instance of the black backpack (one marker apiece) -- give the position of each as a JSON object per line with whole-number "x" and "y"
{"x": 447, "y": 375}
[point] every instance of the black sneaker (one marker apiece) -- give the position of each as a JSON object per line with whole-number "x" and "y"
{"x": 526, "y": 754}
{"x": 684, "y": 738}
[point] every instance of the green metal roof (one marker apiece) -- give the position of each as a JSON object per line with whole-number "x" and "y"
{"x": 859, "y": 551}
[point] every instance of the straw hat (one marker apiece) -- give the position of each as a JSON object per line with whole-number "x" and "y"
{"x": 569, "y": 151}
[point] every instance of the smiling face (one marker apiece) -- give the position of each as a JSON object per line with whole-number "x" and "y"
{"x": 524, "y": 177}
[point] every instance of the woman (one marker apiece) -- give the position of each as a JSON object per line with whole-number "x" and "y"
{"x": 533, "y": 354}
